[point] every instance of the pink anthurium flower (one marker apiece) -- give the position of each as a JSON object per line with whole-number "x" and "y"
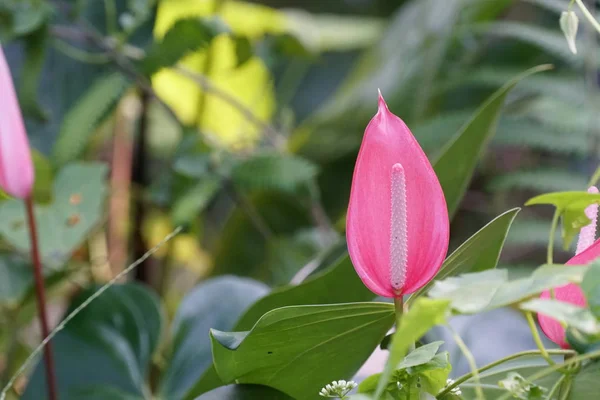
{"x": 16, "y": 167}
{"x": 587, "y": 251}
{"x": 397, "y": 225}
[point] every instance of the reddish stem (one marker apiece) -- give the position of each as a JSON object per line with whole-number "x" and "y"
{"x": 41, "y": 300}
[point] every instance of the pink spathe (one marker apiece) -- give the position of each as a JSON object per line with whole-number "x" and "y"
{"x": 397, "y": 225}
{"x": 587, "y": 251}
{"x": 16, "y": 167}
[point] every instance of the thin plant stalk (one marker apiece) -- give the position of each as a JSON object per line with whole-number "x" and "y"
{"x": 41, "y": 300}
{"x": 536, "y": 337}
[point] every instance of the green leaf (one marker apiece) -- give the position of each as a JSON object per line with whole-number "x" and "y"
{"x": 35, "y": 56}
{"x": 85, "y": 116}
{"x": 216, "y": 303}
{"x": 479, "y": 253}
{"x": 434, "y": 373}
{"x": 15, "y": 280}
{"x": 576, "y": 317}
{"x": 455, "y": 165}
{"x": 77, "y": 207}
{"x": 244, "y": 392}
{"x": 422, "y": 316}
{"x": 421, "y": 355}
{"x": 521, "y": 388}
{"x": 194, "y": 201}
{"x": 117, "y": 333}
{"x": 337, "y": 284}
{"x": 21, "y": 17}
{"x": 184, "y": 37}
{"x": 488, "y": 290}
{"x": 591, "y": 288}
{"x": 585, "y": 384}
{"x": 571, "y": 206}
{"x": 273, "y": 171}
{"x": 320, "y": 343}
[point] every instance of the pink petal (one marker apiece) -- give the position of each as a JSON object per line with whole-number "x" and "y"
{"x": 16, "y": 167}
{"x": 393, "y": 177}
{"x": 570, "y": 293}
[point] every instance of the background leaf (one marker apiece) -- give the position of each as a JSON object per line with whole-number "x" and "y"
{"x": 117, "y": 333}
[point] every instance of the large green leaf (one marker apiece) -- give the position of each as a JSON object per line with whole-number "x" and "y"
{"x": 337, "y": 284}
{"x": 76, "y": 208}
{"x": 214, "y": 304}
{"x": 424, "y": 315}
{"x": 586, "y": 384}
{"x": 566, "y": 313}
{"x": 456, "y": 162}
{"x": 109, "y": 344}
{"x": 244, "y": 392}
{"x": 86, "y": 115}
{"x": 318, "y": 343}
{"x": 479, "y": 253}
{"x": 487, "y": 290}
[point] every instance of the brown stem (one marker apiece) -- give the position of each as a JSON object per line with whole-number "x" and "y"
{"x": 41, "y": 300}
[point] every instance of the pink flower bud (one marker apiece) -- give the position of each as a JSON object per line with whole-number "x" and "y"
{"x": 16, "y": 167}
{"x": 397, "y": 226}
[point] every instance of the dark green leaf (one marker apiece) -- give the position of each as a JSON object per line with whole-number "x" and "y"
{"x": 479, "y": 253}
{"x": 422, "y": 316}
{"x": 15, "y": 279}
{"x": 309, "y": 341}
{"x": 77, "y": 207}
{"x": 273, "y": 171}
{"x": 117, "y": 334}
{"x": 216, "y": 304}
{"x": 184, "y": 37}
{"x": 84, "y": 117}
{"x": 243, "y": 49}
{"x": 456, "y": 163}
{"x": 194, "y": 201}
{"x": 35, "y": 55}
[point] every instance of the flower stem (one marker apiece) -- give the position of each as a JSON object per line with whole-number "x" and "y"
{"x": 536, "y": 337}
{"x": 469, "y": 375}
{"x": 556, "y": 387}
{"x": 588, "y": 15}
{"x": 549, "y": 257}
{"x": 41, "y": 300}
{"x": 399, "y": 307}
{"x": 471, "y": 360}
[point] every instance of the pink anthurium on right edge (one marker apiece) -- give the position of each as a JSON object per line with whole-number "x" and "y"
{"x": 587, "y": 251}
{"x": 397, "y": 225}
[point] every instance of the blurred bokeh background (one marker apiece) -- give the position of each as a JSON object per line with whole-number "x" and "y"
{"x": 250, "y": 141}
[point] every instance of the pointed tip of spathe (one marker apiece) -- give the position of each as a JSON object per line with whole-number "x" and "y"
{"x": 382, "y": 105}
